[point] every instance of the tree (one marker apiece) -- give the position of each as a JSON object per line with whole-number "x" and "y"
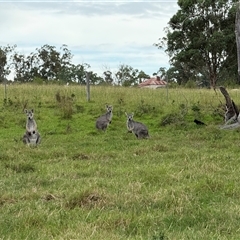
{"x": 19, "y": 67}
{"x": 46, "y": 64}
{"x": 162, "y": 72}
{"x": 108, "y": 78}
{"x": 128, "y": 76}
{"x": 77, "y": 73}
{"x": 142, "y": 76}
{"x": 25, "y": 67}
{"x": 199, "y": 36}
{"x": 94, "y": 78}
{"x": 65, "y": 72}
{"x": 4, "y": 66}
{"x": 237, "y": 32}
{"x": 53, "y": 64}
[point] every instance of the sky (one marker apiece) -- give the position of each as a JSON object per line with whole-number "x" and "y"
{"x": 103, "y": 34}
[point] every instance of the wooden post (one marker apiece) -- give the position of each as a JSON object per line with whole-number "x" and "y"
{"x": 5, "y": 90}
{"x": 167, "y": 85}
{"x": 87, "y": 86}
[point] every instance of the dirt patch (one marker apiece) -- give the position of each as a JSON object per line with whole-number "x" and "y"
{"x": 87, "y": 200}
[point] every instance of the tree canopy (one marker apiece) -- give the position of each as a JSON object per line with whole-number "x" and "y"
{"x": 49, "y": 64}
{"x": 200, "y": 41}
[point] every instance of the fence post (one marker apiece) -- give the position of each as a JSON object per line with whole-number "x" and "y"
{"x": 5, "y": 90}
{"x": 167, "y": 86}
{"x": 87, "y": 86}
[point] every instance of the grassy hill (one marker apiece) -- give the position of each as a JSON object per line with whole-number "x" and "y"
{"x": 79, "y": 183}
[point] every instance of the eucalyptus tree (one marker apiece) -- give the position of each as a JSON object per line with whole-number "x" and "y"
{"x": 45, "y": 63}
{"x": 4, "y": 61}
{"x": 123, "y": 75}
{"x": 237, "y": 32}
{"x": 65, "y": 58}
{"x": 200, "y": 36}
{"x": 127, "y": 75}
{"x": 95, "y": 79}
{"x": 162, "y": 72}
{"x": 20, "y": 67}
{"x": 77, "y": 73}
{"x": 52, "y": 63}
{"x": 25, "y": 67}
{"x": 108, "y": 77}
{"x": 142, "y": 76}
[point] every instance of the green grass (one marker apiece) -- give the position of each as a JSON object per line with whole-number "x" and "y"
{"x": 79, "y": 183}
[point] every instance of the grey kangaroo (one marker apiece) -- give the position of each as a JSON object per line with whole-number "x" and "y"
{"x": 139, "y": 129}
{"x": 104, "y": 120}
{"x": 31, "y": 135}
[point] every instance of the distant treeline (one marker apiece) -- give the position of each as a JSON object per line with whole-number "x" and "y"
{"x": 49, "y": 64}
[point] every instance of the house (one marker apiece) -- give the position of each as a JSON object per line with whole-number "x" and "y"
{"x": 153, "y": 82}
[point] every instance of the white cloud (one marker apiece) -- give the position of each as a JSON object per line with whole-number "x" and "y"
{"x": 98, "y": 33}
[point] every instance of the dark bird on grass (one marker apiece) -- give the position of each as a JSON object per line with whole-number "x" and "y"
{"x": 199, "y": 122}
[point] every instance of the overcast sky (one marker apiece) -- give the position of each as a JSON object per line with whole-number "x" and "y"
{"x": 104, "y": 34}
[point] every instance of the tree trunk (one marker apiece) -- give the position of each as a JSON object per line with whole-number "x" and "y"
{"x": 212, "y": 75}
{"x": 237, "y": 32}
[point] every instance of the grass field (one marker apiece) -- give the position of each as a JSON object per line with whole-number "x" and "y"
{"x": 79, "y": 183}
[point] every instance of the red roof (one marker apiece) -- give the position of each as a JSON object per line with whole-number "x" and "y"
{"x": 153, "y": 81}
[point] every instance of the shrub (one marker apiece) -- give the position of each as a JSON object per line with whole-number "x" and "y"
{"x": 65, "y": 104}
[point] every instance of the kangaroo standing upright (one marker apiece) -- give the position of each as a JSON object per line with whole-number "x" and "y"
{"x": 31, "y": 135}
{"x": 103, "y": 121}
{"x": 138, "y": 128}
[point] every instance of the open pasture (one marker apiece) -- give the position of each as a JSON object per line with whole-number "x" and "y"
{"x": 81, "y": 183}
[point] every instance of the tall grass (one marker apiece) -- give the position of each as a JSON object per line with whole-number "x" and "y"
{"x": 79, "y": 183}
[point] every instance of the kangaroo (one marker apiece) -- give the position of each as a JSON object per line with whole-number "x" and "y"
{"x": 31, "y": 125}
{"x": 103, "y": 121}
{"x": 31, "y": 135}
{"x": 138, "y": 128}
{"x": 31, "y": 138}
{"x": 232, "y": 112}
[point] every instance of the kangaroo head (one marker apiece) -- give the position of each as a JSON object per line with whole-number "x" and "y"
{"x": 129, "y": 116}
{"x": 29, "y": 114}
{"x": 109, "y": 108}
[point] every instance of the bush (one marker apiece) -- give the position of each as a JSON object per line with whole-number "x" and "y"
{"x": 190, "y": 84}
{"x": 65, "y": 104}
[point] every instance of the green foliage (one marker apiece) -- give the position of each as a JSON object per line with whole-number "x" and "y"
{"x": 127, "y": 75}
{"x": 4, "y": 65}
{"x": 190, "y": 84}
{"x": 144, "y": 108}
{"x": 198, "y": 30}
{"x": 38, "y": 81}
{"x": 181, "y": 183}
{"x": 175, "y": 118}
{"x": 65, "y": 104}
{"x": 51, "y": 66}
{"x": 172, "y": 118}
